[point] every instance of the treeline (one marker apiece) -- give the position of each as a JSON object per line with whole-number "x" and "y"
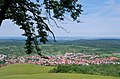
{"x": 8, "y": 42}
{"x": 103, "y": 69}
{"x": 104, "y": 48}
{"x": 102, "y": 45}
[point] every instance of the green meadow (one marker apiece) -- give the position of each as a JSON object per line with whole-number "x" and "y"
{"x": 29, "y": 71}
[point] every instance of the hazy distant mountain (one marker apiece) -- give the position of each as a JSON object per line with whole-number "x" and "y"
{"x": 14, "y": 38}
{"x": 62, "y": 38}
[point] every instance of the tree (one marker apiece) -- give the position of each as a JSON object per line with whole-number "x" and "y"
{"x": 28, "y": 15}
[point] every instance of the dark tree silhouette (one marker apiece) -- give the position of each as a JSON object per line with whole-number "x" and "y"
{"x": 28, "y": 15}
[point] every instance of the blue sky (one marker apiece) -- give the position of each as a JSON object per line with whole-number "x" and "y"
{"x": 101, "y": 18}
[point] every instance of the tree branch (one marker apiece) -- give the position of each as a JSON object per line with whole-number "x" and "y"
{"x": 3, "y": 10}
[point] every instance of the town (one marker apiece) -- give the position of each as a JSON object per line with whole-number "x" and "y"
{"x": 67, "y": 58}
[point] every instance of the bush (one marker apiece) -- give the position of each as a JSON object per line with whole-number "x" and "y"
{"x": 108, "y": 70}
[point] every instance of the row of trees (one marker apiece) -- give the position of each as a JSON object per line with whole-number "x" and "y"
{"x": 103, "y": 69}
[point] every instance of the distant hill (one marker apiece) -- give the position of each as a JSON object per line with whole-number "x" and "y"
{"x": 63, "y": 38}
{"x": 13, "y": 38}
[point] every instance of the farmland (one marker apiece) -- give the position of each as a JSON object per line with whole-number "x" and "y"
{"x": 103, "y": 47}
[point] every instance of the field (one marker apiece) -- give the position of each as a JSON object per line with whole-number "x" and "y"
{"x": 103, "y": 47}
{"x": 28, "y": 71}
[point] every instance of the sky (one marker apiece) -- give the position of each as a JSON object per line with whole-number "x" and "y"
{"x": 100, "y": 18}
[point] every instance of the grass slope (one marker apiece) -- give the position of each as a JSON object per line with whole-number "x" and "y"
{"x": 28, "y": 71}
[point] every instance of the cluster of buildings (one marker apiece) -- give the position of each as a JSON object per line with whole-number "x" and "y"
{"x": 2, "y": 57}
{"x": 68, "y": 58}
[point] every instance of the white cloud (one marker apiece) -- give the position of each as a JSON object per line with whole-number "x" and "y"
{"x": 9, "y": 29}
{"x": 106, "y": 8}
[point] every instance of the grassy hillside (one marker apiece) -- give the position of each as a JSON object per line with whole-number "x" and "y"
{"x": 19, "y": 69}
{"x": 28, "y": 71}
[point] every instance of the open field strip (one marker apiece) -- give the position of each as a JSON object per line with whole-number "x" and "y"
{"x": 28, "y": 71}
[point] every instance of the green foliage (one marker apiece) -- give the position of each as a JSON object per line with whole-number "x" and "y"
{"x": 100, "y": 46}
{"x": 105, "y": 49}
{"x": 103, "y": 69}
{"x": 2, "y": 62}
{"x": 12, "y": 47}
{"x": 28, "y": 14}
